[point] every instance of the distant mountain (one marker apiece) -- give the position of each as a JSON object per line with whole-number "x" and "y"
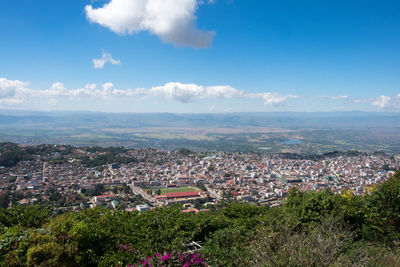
{"x": 318, "y": 132}
{"x": 292, "y": 120}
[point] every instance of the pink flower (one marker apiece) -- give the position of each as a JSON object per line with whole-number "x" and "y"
{"x": 165, "y": 257}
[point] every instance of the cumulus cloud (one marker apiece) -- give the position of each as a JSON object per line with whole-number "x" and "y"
{"x": 105, "y": 58}
{"x": 387, "y": 102}
{"x": 173, "y": 21}
{"x": 14, "y": 92}
{"x": 57, "y": 86}
{"x": 8, "y": 88}
{"x": 188, "y": 92}
{"x": 382, "y": 102}
{"x": 272, "y": 99}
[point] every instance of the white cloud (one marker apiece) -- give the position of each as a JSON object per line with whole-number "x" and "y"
{"x": 387, "y": 102}
{"x": 105, "y": 58}
{"x": 12, "y": 92}
{"x": 212, "y": 109}
{"x": 8, "y": 88}
{"x": 173, "y": 21}
{"x": 15, "y": 92}
{"x": 11, "y": 101}
{"x": 272, "y": 99}
{"x": 189, "y": 92}
{"x": 52, "y": 102}
{"x": 57, "y": 86}
{"x": 340, "y": 97}
{"x": 382, "y": 102}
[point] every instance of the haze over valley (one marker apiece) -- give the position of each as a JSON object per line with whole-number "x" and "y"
{"x": 304, "y": 133}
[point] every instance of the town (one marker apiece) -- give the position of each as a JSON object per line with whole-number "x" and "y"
{"x": 71, "y": 178}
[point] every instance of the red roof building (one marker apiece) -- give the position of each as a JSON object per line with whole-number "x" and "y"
{"x": 175, "y": 195}
{"x": 191, "y": 210}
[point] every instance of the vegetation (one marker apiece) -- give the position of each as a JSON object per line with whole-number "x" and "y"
{"x": 108, "y": 158}
{"x": 185, "y": 151}
{"x": 234, "y": 132}
{"x": 309, "y": 229}
{"x": 11, "y": 154}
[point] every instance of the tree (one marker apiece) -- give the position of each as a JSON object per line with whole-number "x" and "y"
{"x": 185, "y": 151}
{"x": 198, "y": 204}
{"x": 26, "y": 216}
{"x": 201, "y": 186}
{"x": 227, "y": 194}
{"x": 4, "y": 199}
{"x": 384, "y": 209}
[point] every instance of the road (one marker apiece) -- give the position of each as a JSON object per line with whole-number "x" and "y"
{"x": 213, "y": 193}
{"x": 139, "y": 191}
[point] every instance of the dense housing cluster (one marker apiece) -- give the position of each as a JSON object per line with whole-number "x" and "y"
{"x": 71, "y": 177}
{"x": 231, "y": 209}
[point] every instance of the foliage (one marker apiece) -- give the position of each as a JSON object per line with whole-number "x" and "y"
{"x": 12, "y": 157}
{"x": 225, "y": 247}
{"x": 384, "y": 210}
{"x": 26, "y": 216}
{"x": 104, "y": 159}
{"x": 127, "y": 255}
{"x": 185, "y": 151}
{"x": 309, "y": 229}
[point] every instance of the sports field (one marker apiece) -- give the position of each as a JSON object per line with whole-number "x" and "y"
{"x": 173, "y": 190}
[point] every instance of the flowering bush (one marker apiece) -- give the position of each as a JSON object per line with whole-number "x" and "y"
{"x": 166, "y": 259}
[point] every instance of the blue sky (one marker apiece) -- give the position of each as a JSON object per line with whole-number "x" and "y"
{"x": 200, "y": 56}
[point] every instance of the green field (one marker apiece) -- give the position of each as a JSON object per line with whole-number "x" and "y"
{"x": 173, "y": 190}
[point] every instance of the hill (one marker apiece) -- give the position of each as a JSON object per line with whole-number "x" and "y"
{"x": 309, "y": 229}
{"x": 271, "y": 132}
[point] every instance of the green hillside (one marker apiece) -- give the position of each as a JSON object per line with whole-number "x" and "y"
{"x": 309, "y": 229}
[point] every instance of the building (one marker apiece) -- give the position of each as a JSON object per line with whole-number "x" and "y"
{"x": 104, "y": 198}
{"x": 144, "y": 207}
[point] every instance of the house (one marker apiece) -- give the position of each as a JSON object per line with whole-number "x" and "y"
{"x": 104, "y": 198}
{"x": 180, "y": 195}
{"x": 144, "y": 207}
{"x": 191, "y": 210}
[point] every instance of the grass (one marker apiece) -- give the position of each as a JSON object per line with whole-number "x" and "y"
{"x": 174, "y": 190}
{"x": 110, "y": 187}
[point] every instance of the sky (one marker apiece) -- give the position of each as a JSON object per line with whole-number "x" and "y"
{"x": 200, "y": 56}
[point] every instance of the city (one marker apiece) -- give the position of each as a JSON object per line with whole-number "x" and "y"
{"x": 199, "y": 133}
{"x": 72, "y": 178}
